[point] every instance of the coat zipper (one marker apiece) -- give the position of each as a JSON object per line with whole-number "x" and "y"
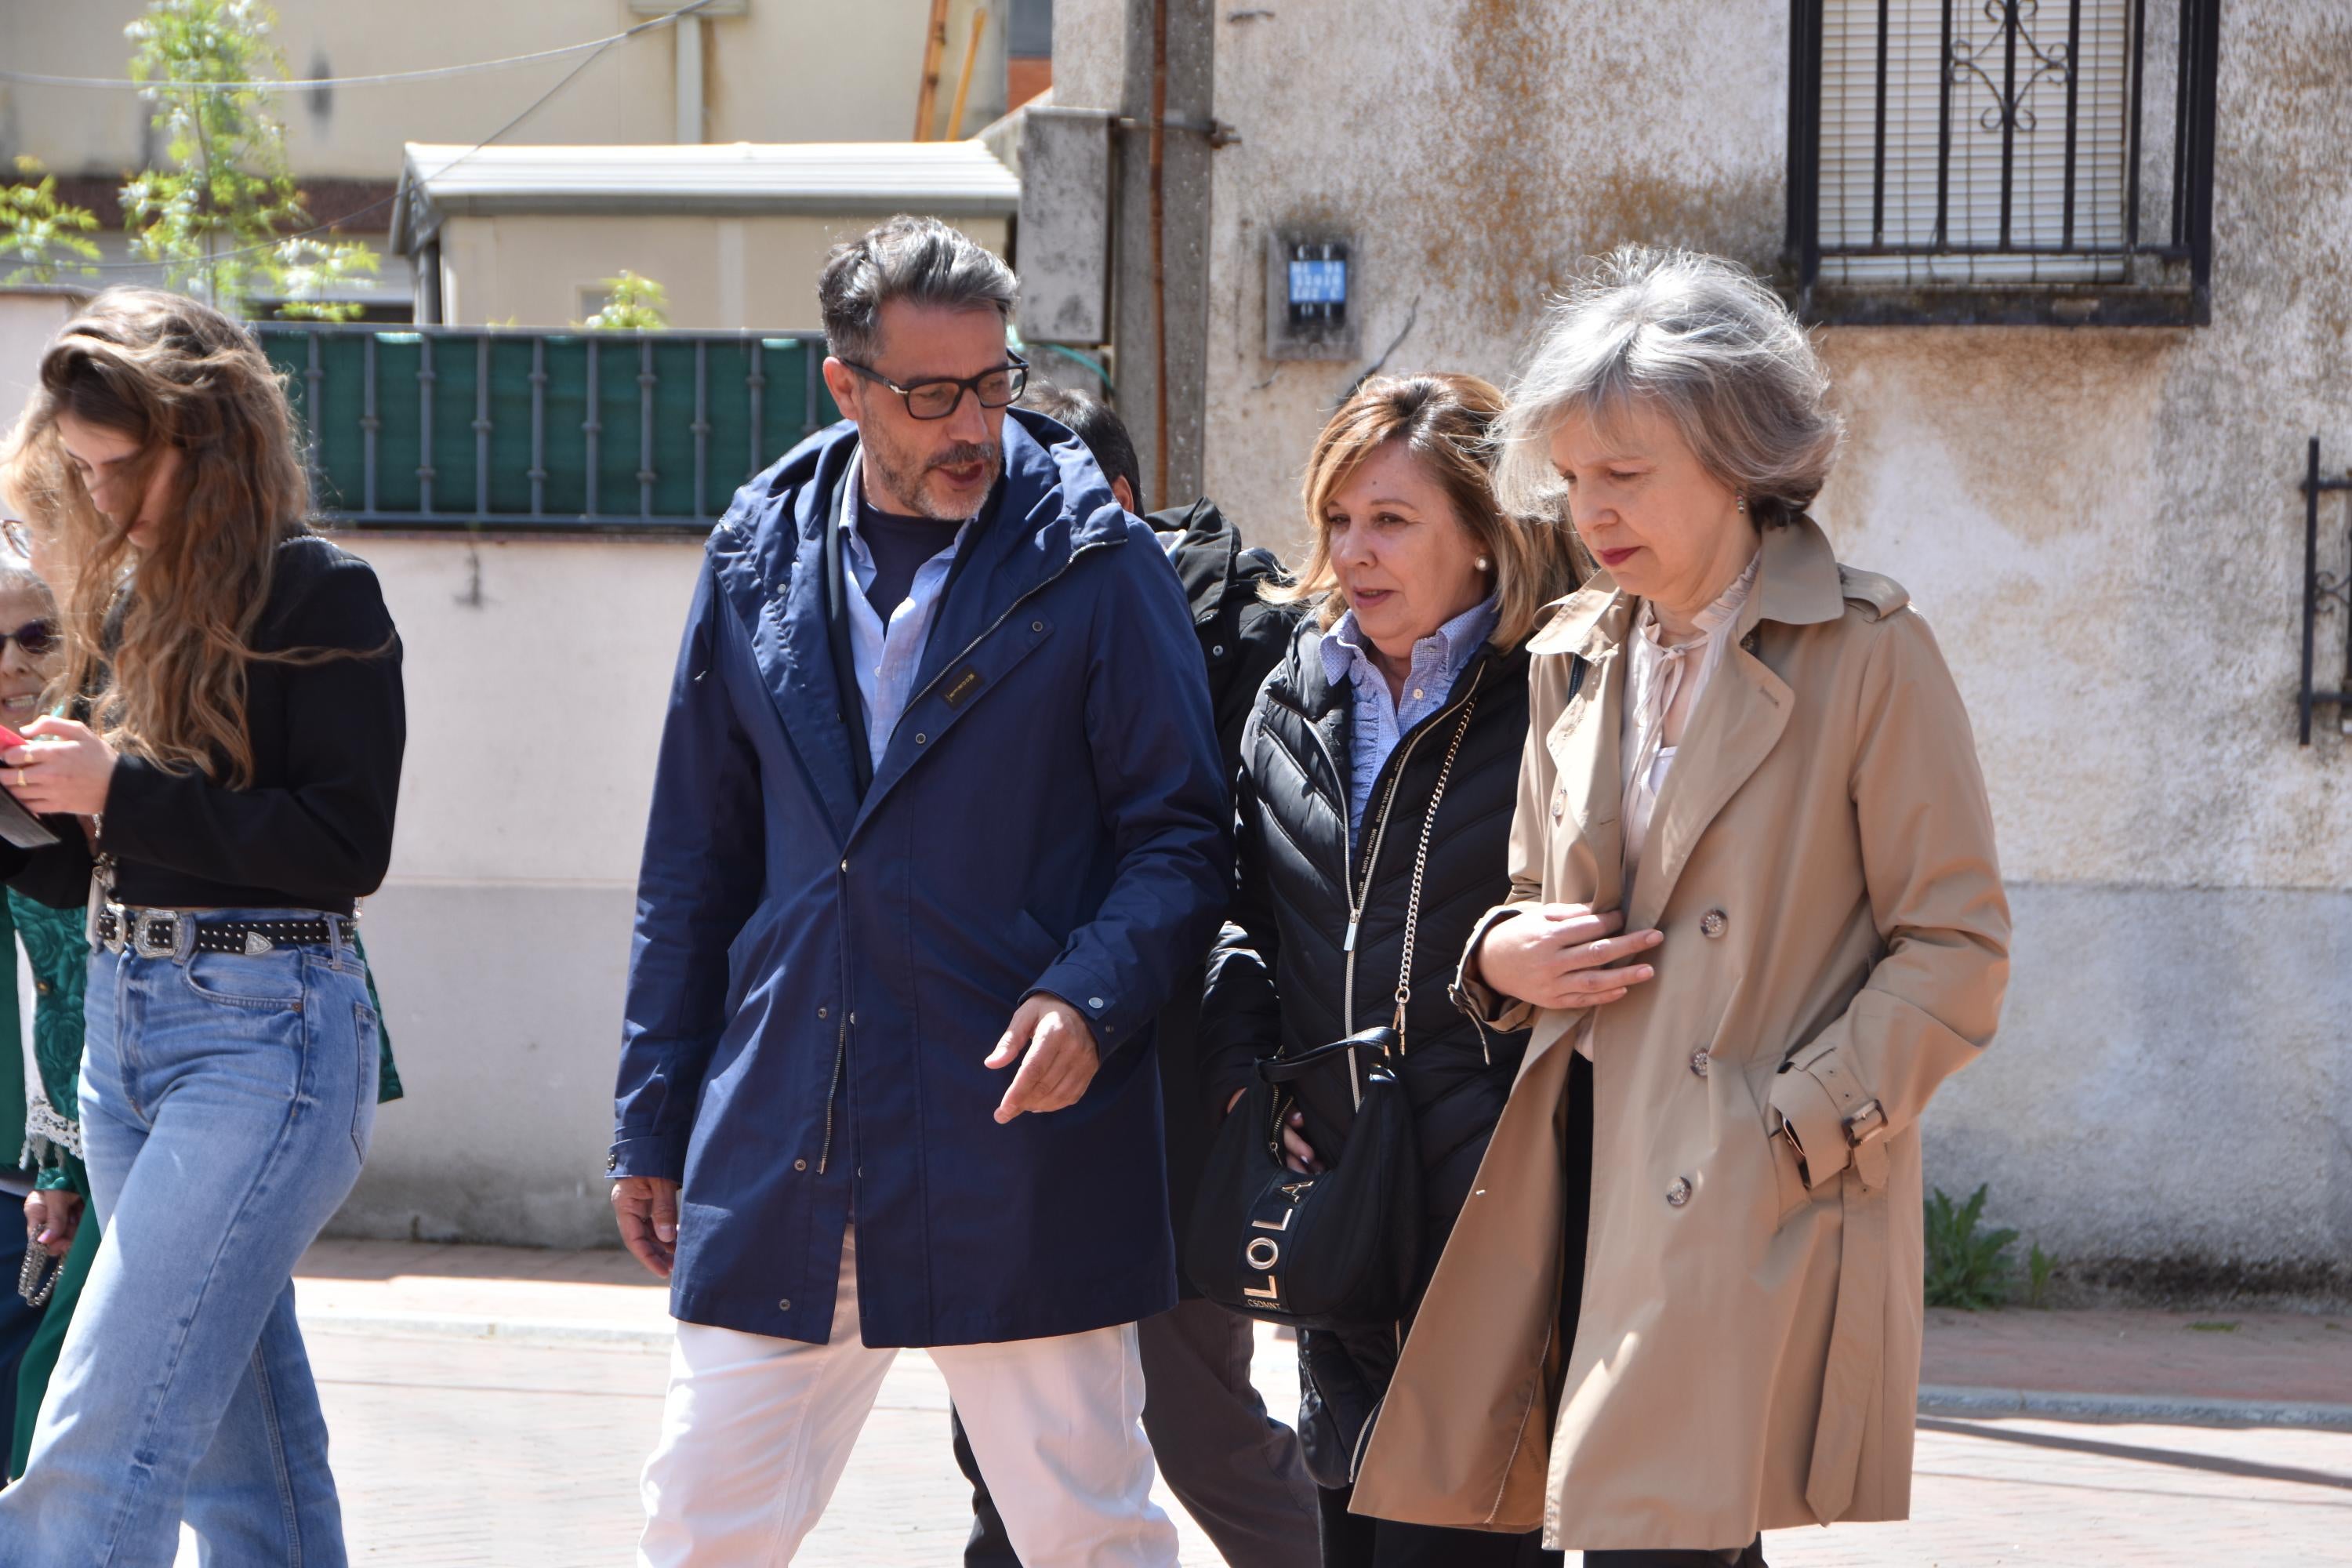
{"x": 832, "y": 1089}
{"x": 1035, "y": 589}
{"x": 1357, "y": 897}
{"x": 841, "y": 1038}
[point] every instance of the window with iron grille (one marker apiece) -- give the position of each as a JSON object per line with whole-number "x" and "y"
{"x": 2002, "y": 161}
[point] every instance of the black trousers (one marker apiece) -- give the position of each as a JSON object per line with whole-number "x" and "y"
{"x": 1751, "y": 1558}
{"x": 1352, "y": 1541}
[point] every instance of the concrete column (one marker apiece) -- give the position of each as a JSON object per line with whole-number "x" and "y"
{"x": 1160, "y": 284}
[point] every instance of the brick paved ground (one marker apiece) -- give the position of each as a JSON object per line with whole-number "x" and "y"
{"x": 521, "y": 1451}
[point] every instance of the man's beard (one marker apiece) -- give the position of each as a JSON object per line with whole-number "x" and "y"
{"x": 905, "y": 474}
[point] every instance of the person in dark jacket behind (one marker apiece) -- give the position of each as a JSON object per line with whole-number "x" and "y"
{"x": 1413, "y": 666}
{"x": 938, "y": 825}
{"x": 1236, "y": 1470}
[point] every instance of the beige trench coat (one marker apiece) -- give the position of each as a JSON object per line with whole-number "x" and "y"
{"x": 1820, "y": 861}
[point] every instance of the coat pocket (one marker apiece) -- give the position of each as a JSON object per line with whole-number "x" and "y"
{"x": 1789, "y": 1193}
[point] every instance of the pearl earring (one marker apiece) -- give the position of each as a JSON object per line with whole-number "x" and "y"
{"x": 1742, "y": 503}
{"x": 1485, "y": 564}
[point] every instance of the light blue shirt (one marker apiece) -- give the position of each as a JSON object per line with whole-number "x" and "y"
{"x": 1380, "y": 720}
{"x": 888, "y": 656}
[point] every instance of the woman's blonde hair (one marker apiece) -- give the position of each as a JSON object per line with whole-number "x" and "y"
{"x": 160, "y": 647}
{"x": 1447, "y": 423}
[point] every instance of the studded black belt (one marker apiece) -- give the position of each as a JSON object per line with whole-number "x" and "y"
{"x": 175, "y": 933}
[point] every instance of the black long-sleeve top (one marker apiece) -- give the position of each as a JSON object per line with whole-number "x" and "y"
{"x": 314, "y": 828}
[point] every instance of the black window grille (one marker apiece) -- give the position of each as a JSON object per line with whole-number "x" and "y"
{"x": 2002, "y": 161}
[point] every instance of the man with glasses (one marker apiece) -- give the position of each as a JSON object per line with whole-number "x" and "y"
{"x": 939, "y": 821}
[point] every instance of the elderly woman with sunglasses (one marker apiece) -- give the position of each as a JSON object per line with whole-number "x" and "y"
{"x": 61, "y": 1236}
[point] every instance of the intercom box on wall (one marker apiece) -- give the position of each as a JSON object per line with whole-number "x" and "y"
{"x": 1313, "y": 297}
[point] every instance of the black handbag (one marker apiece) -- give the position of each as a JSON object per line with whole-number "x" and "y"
{"x": 1340, "y": 1246}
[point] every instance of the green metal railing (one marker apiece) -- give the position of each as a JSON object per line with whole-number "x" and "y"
{"x": 498, "y": 429}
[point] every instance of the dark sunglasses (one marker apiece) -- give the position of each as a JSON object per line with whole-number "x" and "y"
{"x": 938, "y": 397}
{"x": 36, "y": 638}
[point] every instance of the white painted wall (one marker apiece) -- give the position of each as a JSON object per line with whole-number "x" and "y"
{"x": 537, "y": 675}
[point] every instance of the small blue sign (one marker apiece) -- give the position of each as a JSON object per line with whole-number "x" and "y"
{"x": 1319, "y": 282}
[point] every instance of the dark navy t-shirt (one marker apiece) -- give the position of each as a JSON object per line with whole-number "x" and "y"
{"x": 899, "y": 546}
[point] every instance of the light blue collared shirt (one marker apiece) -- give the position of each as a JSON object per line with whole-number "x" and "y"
{"x": 1438, "y": 659}
{"x": 888, "y": 656}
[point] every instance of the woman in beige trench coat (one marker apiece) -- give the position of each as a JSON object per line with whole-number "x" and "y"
{"x": 1729, "y": 1341}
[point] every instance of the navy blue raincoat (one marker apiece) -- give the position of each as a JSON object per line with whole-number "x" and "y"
{"x": 816, "y": 974}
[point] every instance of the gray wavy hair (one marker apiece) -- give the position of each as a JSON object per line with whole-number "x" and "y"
{"x": 1701, "y": 340}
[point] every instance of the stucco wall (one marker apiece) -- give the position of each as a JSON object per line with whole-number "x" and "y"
{"x": 758, "y": 272}
{"x": 537, "y": 674}
{"x": 2102, "y": 526}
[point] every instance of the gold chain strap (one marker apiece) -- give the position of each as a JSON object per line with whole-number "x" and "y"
{"x": 1420, "y": 866}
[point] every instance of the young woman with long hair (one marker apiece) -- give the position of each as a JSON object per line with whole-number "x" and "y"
{"x": 226, "y": 794}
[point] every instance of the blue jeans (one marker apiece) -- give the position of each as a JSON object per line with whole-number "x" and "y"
{"x": 227, "y": 1102}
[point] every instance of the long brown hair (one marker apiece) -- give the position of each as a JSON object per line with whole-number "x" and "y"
{"x": 1447, "y": 421}
{"x": 159, "y": 639}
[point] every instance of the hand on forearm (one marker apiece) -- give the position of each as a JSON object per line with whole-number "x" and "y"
{"x": 1563, "y": 956}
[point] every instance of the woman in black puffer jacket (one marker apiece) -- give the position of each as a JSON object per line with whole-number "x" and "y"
{"x": 1426, "y": 596}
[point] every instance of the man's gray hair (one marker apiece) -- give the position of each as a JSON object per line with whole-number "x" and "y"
{"x": 917, "y": 258}
{"x": 1703, "y": 341}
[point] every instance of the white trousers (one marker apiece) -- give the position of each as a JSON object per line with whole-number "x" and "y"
{"x": 756, "y": 1432}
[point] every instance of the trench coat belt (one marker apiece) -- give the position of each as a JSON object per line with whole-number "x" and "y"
{"x": 1858, "y": 1328}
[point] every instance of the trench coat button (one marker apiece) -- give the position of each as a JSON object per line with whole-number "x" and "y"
{"x": 845, "y": 868}
{"x": 922, "y": 740}
{"x": 1096, "y": 1002}
{"x": 1218, "y": 651}
{"x": 1699, "y": 1061}
{"x": 1036, "y": 625}
{"x": 800, "y": 1164}
{"x": 785, "y": 1305}
{"x": 1559, "y": 804}
{"x": 1679, "y": 1193}
{"x": 821, "y": 1013}
{"x": 853, "y": 1019}
{"x": 1715, "y": 922}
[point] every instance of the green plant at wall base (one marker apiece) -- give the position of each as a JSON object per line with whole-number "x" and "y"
{"x": 40, "y": 232}
{"x": 2037, "y": 1266}
{"x": 1965, "y": 1269}
{"x": 633, "y": 303}
{"x": 222, "y": 215}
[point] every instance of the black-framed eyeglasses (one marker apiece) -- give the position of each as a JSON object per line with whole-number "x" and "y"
{"x": 938, "y": 397}
{"x": 36, "y": 638}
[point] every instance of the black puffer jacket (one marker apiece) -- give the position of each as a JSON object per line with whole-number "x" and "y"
{"x": 1279, "y": 976}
